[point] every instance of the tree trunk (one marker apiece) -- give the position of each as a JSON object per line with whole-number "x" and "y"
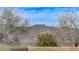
{"x": 76, "y": 43}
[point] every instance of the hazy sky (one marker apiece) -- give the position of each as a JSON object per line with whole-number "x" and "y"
{"x": 43, "y": 15}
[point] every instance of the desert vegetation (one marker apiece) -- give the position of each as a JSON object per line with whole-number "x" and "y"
{"x": 46, "y": 39}
{"x": 68, "y": 28}
{"x": 16, "y": 31}
{"x": 10, "y": 27}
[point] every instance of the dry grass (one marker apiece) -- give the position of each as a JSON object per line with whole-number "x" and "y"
{"x": 18, "y": 48}
{"x": 4, "y": 47}
{"x": 53, "y": 48}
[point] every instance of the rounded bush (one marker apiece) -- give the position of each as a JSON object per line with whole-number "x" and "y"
{"x": 46, "y": 39}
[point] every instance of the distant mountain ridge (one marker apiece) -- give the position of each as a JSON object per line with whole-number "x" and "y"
{"x": 28, "y": 37}
{"x": 60, "y": 34}
{"x": 35, "y": 30}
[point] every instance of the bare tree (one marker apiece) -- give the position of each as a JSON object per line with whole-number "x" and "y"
{"x": 69, "y": 27}
{"x": 10, "y": 21}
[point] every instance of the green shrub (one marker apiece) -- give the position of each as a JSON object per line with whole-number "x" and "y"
{"x": 46, "y": 39}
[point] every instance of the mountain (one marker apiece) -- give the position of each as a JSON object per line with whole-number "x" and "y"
{"x": 35, "y": 30}
{"x": 64, "y": 36}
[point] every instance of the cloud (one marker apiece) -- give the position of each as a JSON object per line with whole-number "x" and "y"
{"x": 44, "y": 15}
{"x": 47, "y": 16}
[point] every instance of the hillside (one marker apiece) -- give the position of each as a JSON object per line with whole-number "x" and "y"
{"x": 27, "y": 36}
